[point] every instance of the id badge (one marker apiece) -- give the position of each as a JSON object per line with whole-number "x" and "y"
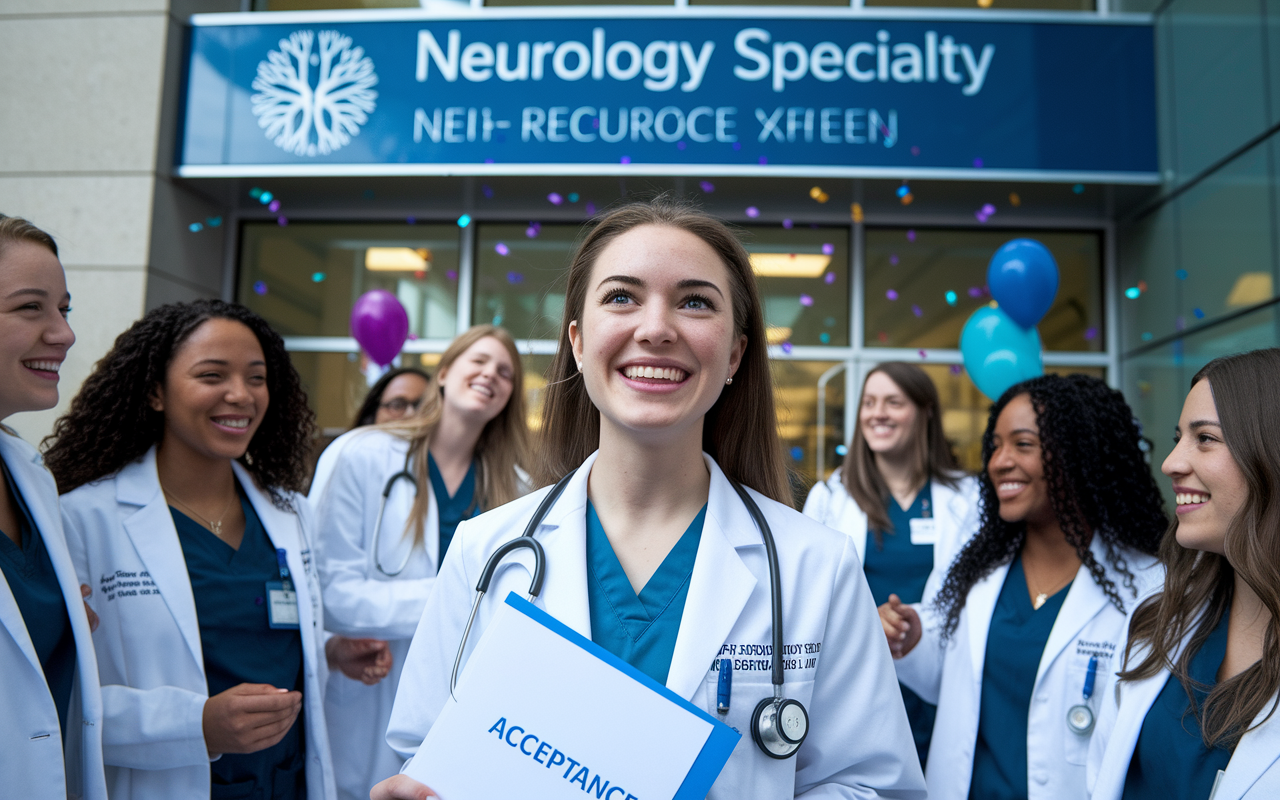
{"x": 924, "y": 531}
{"x": 282, "y": 606}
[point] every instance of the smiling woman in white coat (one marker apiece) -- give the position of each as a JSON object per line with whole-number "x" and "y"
{"x": 1028, "y": 620}
{"x": 1193, "y": 715}
{"x": 901, "y": 488}
{"x": 51, "y": 710}
{"x": 659, "y": 396}
{"x": 180, "y": 460}
{"x": 403, "y": 487}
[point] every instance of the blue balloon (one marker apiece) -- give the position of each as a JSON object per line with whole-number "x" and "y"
{"x": 999, "y": 352}
{"x": 1023, "y": 278}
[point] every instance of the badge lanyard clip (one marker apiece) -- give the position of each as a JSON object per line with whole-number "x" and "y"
{"x": 1080, "y": 716}
{"x": 282, "y": 599}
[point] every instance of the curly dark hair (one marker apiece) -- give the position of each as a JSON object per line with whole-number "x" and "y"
{"x": 1099, "y": 482}
{"x": 111, "y": 422}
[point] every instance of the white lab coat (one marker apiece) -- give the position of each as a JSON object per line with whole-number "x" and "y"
{"x": 1252, "y": 774}
{"x": 955, "y": 511}
{"x": 148, "y": 644}
{"x": 33, "y": 763}
{"x": 950, "y": 676}
{"x": 859, "y": 744}
{"x": 359, "y": 600}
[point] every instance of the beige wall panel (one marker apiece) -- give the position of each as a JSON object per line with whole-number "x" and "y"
{"x": 29, "y": 8}
{"x": 104, "y": 303}
{"x": 81, "y": 93}
{"x": 97, "y": 221}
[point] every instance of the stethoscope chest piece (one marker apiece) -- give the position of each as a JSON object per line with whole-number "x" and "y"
{"x": 779, "y": 726}
{"x": 1080, "y": 719}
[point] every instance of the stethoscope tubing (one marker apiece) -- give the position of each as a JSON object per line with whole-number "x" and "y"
{"x": 375, "y": 556}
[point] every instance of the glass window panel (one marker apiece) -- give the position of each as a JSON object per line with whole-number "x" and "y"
{"x": 909, "y": 273}
{"x": 1043, "y": 5}
{"x": 304, "y": 278}
{"x": 1219, "y": 78}
{"x": 1156, "y": 382}
{"x": 519, "y": 282}
{"x": 795, "y": 392}
{"x": 809, "y": 310}
{"x": 1147, "y": 252}
{"x": 325, "y": 5}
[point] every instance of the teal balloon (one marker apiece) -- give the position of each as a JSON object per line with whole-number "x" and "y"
{"x": 999, "y": 352}
{"x": 1023, "y": 278}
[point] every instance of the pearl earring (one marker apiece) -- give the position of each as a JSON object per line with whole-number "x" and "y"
{"x": 579, "y": 366}
{"x": 728, "y": 381}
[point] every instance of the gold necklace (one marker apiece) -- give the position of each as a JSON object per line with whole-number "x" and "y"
{"x": 1042, "y": 597}
{"x": 214, "y": 525}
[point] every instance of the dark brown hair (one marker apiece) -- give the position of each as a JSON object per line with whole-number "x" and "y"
{"x": 1199, "y": 585}
{"x": 932, "y": 458}
{"x": 368, "y": 412}
{"x": 741, "y": 429}
{"x": 17, "y": 229}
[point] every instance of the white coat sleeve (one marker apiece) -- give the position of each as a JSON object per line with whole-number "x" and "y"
{"x": 818, "y": 502}
{"x": 856, "y": 692}
{"x": 144, "y": 728}
{"x": 424, "y": 679}
{"x": 921, "y": 669}
{"x": 356, "y": 604}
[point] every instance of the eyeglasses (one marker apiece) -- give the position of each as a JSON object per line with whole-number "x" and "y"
{"x": 400, "y": 405}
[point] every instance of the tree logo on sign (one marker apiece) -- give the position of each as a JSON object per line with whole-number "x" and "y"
{"x": 314, "y": 115}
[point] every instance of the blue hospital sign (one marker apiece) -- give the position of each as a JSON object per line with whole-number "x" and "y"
{"x": 831, "y": 94}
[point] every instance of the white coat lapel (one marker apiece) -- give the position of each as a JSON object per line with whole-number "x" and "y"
{"x": 718, "y": 588}
{"x": 10, "y": 615}
{"x": 563, "y": 534}
{"x": 155, "y": 539}
{"x": 979, "y": 608}
{"x": 1083, "y": 601}
{"x": 1257, "y": 751}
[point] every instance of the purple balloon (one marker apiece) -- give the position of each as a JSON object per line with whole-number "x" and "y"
{"x": 380, "y": 324}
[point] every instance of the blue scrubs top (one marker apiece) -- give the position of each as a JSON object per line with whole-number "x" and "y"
{"x": 639, "y": 629}
{"x": 29, "y": 573}
{"x": 894, "y": 565}
{"x": 1015, "y": 643}
{"x": 239, "y": 646}
{"x": 452, "y": 509}
{"x": 1170, "y": 761}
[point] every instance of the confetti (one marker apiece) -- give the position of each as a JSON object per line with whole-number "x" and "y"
{"x": 737, "y": 145}
{"x": 951, "y": 298}
{"x": 625, "y": 160}
{"x": 806, "y": 300}
{"x": 786, "y": 347}
{"x": 786, "y": 223}
{"x": 1198, "y": 312}
{"x": 923, "y": 354}
{"x": 824, "y": 337}
{"x": 1146, "y": 336}
{"x": 282, "y": 221}
{"x": 830, "y": 322}
{"x": 829, "y": 278}
{"x": 411, "y": 220}
{"x": 265, "y": 198}
{"x": 815, "y": 192}
{"x": 591, "y": 208}
{"x": 882, "y": 336}
{"x": 841, "y": 450}
{"x": 317, "y": 277}
{"x": 1090, "y": 334}
{"x": 260, "y": 287}
{"x": 452, "y": 274}
{"x": 501, "y": 249}
{"x": 763, "y": 160}
{"x": 1144, "y": 386}
{"x": 255, "y": 193}
{"x": 1078, "y": 188}
{"x": 497, "y": 319}
{"x": 891, "y": 294}
{"x": 1142, "y": 286}
{"x": 420, "y": 274}
{"x": 413, "y": 337}
{"x": 911, "y": 236}
{"x": 985, "y": 3}
{"x": 915, "y": 151}
{"x": 555, "y": 199}
{"x": 464, "y": 220}
{"x": 822, "y": 198}
{"x": 1133, "y": 293}
{"x": 919, "y": 312}
{"x": 680, "y": 145}
{"x": 956, "y": 369}
{"x": 797, "y": 453}
{"x": 707, "y": 186}
{"x": 828, "y": 248}
{"x": 975, "y": 292}
{"x": 1179, "y": 322}
{"x": 753, "y": 212}
{"x": 213, "y": 222}
{"x": 573, "y": 197}
{"x": 275, "y": 206}
{"x": 1181, "y": 274}
{"x": 487, "y": 190}
{"x": 195, "y": 227}
{"x": 907, "y": 199}
{"x": 893, "y": 259}
{"x": 903, "y": 190}
{"x": 977, "y": 163}
{"x": 1014, "y": 199}
{"x": 515, "y": 277}
{"x": 855, "y": 211}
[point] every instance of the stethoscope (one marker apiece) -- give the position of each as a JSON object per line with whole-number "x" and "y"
{"x": 403, "y": 474}
{"x": 778, "y": 725}
{"x": 1080, "y": 716}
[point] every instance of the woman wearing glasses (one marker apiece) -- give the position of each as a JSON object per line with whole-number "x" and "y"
{"x": 388, "y": 505}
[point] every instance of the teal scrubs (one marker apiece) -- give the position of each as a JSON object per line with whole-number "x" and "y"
{"x": 452, "y": 509}
{"x": 29, "y": 573}
{"x": 229, "y": 587}
{"x": 639, "y": 629}
{"x": 1170, "y": 761}
{"x": 1015, "y": 643}
{"x": 894, "y": 565}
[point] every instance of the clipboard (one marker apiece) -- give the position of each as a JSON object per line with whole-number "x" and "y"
{"x": 540, "y": 711}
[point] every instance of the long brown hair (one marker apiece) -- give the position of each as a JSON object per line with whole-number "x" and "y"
{"x": 931, "y": 456}
{"x": 503, "y": 444}
{"x": 1198, "y": 585}
{"x": 16, "y": 229}
{"x": 740, "y": 431}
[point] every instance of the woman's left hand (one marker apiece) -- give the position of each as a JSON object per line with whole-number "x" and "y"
{"x": 85, "y": 592}
{"x": 364, "y": 660}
